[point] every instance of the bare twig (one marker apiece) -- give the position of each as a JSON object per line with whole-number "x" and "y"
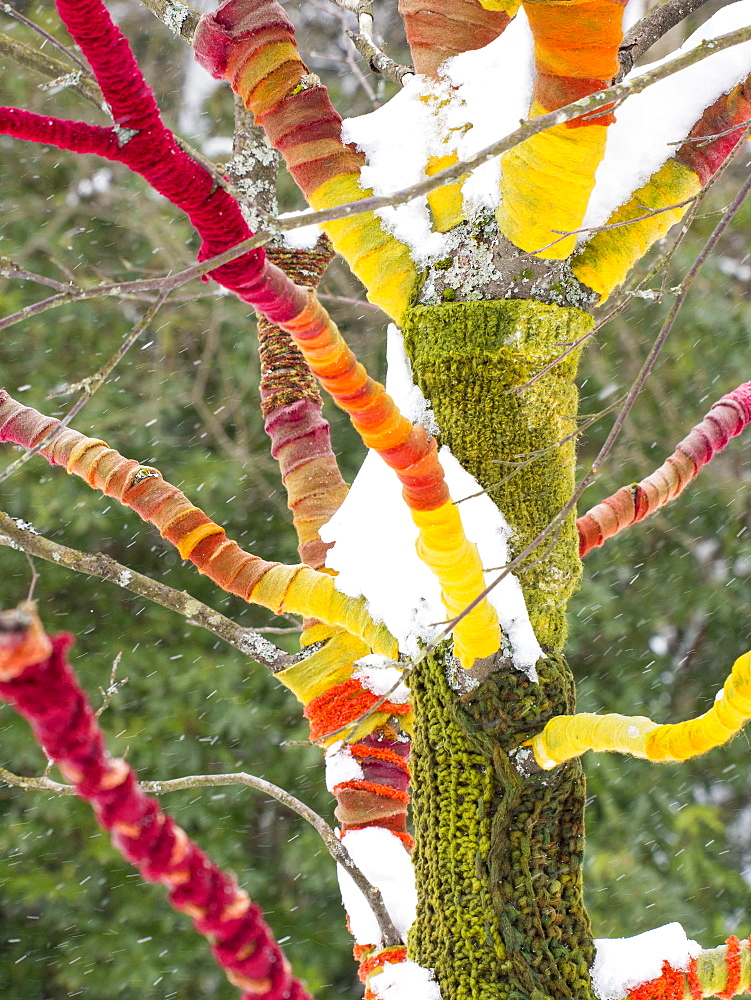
{"x": 366, "y": 45}
{"x": 18, "y": 16}
{"x": 34, "y": 578}
{"x": 10, "y": 269}
{"x": 648, "y": 214}
{"x": 112, "y": 688}
{"x": 335, "y": 847}
{"x": 345, "y": 300}
{"x": 701, "y": 140}
{"x": 650, "y": 29}
{"x": 377, "y": 59}
{"x": 17, "y": 535}
{"x": 88, "y": 386}
{"x": 274, "y": 630}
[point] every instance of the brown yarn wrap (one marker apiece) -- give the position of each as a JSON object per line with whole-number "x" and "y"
{"x": 285, "y": 376}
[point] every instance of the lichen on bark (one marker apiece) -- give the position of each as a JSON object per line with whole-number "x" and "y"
{"x": 498, "y": 851}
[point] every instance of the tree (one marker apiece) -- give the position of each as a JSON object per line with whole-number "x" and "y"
{"x": 497, "y": 790}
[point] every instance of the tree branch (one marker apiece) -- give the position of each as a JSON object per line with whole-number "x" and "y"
{"x": 643, "y": 35}
{"x": 365, "y": 44}
{"x": 18, "y": 16}
{"x": 16, "y": 535}
{"x": 59, "y": 74}
{"x": 253, "y": 170}
{"x": 181, "y": 18}
{"x": 335, "y": 847}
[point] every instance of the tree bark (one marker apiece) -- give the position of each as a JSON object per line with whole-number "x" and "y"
{"x": 498, "y": 850}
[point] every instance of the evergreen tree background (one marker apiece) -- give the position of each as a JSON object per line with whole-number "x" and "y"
{"x": 661, "y": 614}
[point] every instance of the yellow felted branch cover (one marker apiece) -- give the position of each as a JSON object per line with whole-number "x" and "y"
{"x": 546, "y": 185}
{"x": 568, "y": 736}
{"x": 610, "y": 254}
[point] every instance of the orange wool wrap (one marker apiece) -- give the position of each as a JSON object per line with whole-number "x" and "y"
{"x": 439, "y": 29}
{"x": 547, "y": 180}
{"x": 297, "y": 589}
{"x": 251, "y": 44}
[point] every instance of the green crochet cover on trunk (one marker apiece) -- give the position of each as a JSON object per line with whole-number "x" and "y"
{"x": 498, "y": 854}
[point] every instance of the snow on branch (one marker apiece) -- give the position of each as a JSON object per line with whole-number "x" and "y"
{"x": 664, "y": 964}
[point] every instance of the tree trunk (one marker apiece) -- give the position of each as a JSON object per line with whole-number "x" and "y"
{"x": 498, "y": 850}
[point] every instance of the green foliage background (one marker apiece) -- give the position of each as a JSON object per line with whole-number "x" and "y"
{"x": 661, "y": 614}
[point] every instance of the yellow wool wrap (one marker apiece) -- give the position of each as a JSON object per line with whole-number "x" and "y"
{"x": 568, "y": 736}
{"x": 381, "y": 262}
{"x": 608, "y": 257}
{"x": 546, "y": 185}
{"x": 446, "y": 203}
{"x": 330, "y": 665}
{"x": 326, "y": 669}
{"x": 459, "y": 569}
{"x": 304, "y": 591}
{"x": 509, "y": 7}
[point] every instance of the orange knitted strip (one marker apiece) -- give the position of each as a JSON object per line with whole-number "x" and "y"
{"x": 668, "y": 986}
{"x": 342, "y": 704}
{"x": 377, "y": 961}
{"x": 733, "y": 962}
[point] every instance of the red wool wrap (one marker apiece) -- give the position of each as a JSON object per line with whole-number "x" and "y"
{"x": 630, "y": 504}
{"x": 47, "y": 694}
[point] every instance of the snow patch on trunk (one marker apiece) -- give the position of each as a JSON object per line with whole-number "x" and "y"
{"x": 378, "y": 675}
{"x": 341, "y": 766}
{"x": 384, "y": 861}
{"x": 482, "y": 97}
{"x": 405, "y": 981}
